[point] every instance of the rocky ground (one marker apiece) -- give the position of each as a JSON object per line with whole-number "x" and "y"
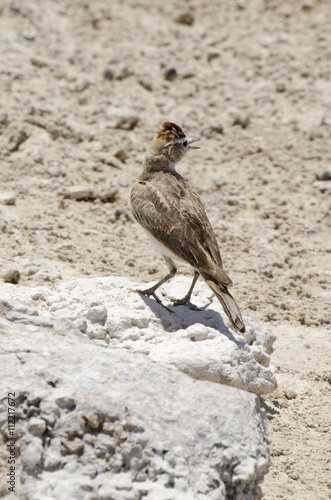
{"x": 102, "y": 409}
{"x": 84, "y": 86}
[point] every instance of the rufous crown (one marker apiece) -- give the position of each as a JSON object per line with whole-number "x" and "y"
{"x": 169, "y": 132}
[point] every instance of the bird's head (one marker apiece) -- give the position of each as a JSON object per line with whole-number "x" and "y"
{"x": 171, "y": 141}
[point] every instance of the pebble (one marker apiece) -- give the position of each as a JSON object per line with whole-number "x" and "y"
{"x": 40, "y": 63}
{"x": 16, "y": 140}
{"x": 37, "y": 426}
{"x": 186, "y": 18}
{"x": 217, "y": 127}
{"x": 294, "y": 475}
{"x": 87, "y": 193}
{"x": 121, "y": 212}
{"x": 324, "y": 176}
{"x": 98, "y": 314}
{"x": 12, "y": 276}
{"x": 64, "y": 401}
{"x": 307, "y": 5}
{"x": 242, "y": 120}
{"x": 290, "y": 393}
{"x": 212, "y": 55}
{"x": 309, "y": 423}
{"x": 146, "y": 84}
{"x": 241, "y": 4}
{"x": 93, "y": 419}
{"x": 323, "y": 187}
{"x": 52, "y": 459}
{"x": 260, "y": 356}
{"x": 79, "y": 193}
{"x": 7, "y": 198}
{"x": 170, "y": 74}
{"x": 250, "y": 335}
{"x": 81, "y": 324}
{"x": 121, "y": 155}
{"x": 30, "y": 36}
{"x": 76, "y": 446}
{"x": 280, "y": 87}
{"x": 81, "y": 86}
{"x": 108, "y": 74}
{"x": 4, "y": 119}
{"x": 107, "y": 194}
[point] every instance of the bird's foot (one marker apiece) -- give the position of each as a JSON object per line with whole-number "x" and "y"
{"x": 150, "y": 292}
{"x": 185, "y": 301}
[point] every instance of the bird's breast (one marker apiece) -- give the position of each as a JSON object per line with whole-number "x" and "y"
{"x": 165, "y": 251}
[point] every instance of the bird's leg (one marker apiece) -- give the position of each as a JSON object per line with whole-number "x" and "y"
{"x": 151, "y": 291}
{"x": 187, "y": 299}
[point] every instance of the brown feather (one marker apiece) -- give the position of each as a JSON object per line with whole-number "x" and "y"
{"x": 169, "y": 210}
{"x": 229, "y": 305}
{"x": 170, "y": 128}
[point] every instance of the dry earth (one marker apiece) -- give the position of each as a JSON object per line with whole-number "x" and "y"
{"x": 84, "y": 86}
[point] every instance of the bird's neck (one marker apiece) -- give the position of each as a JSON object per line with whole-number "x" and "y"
{"x": 158, "y": 163}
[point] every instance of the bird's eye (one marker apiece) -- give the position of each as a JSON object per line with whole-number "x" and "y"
{"x": 185, "y": 143}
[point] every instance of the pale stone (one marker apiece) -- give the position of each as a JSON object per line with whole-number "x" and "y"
{"x": 146, "y": 396}
{"x": 196, "y": 342}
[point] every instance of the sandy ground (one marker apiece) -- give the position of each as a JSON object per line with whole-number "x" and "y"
{"x": 85, "y": 85}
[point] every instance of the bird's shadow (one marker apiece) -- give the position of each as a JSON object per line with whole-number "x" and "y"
{"x": 268, "y": 408}
{"x": 182, "y": 317}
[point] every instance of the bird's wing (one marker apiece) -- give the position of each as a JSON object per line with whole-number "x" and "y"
{"x": 172, "y": 213}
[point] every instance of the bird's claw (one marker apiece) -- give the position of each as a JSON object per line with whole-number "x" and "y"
{"x": 150, "y": 292}
{"x": 184, "y": 302}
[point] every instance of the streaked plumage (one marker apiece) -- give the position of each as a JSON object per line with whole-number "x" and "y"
{"x": 172, "y": 213}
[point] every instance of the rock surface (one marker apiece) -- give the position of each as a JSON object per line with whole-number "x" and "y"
{"x": 197, "y": 343}
{"x": 96, "y": 418}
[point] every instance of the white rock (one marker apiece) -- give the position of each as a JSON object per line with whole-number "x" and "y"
{"x": 109, "y": 407}
{"x": 97, "y": 314}
{"x": 79, "y": 192}
{"x": 7, "y": 198}
{"x": 64, "y": 399}
{"x": 52, "y": 455}
{"x": 194, "y": 436}
{"x": 31, "y": 455}
{"x": 195, "y": 342}
{"x": 97, "y": 333}
{"x": 260, "y": 355}
{"x": 37, "y": 426}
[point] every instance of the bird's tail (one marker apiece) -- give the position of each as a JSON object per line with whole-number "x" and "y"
{"x": 228, "y": 303}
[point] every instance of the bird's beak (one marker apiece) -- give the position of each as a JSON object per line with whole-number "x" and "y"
{"x": 193, "y": 139}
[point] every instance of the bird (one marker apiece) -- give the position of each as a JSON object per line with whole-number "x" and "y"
{"x": 174, "y": 219}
